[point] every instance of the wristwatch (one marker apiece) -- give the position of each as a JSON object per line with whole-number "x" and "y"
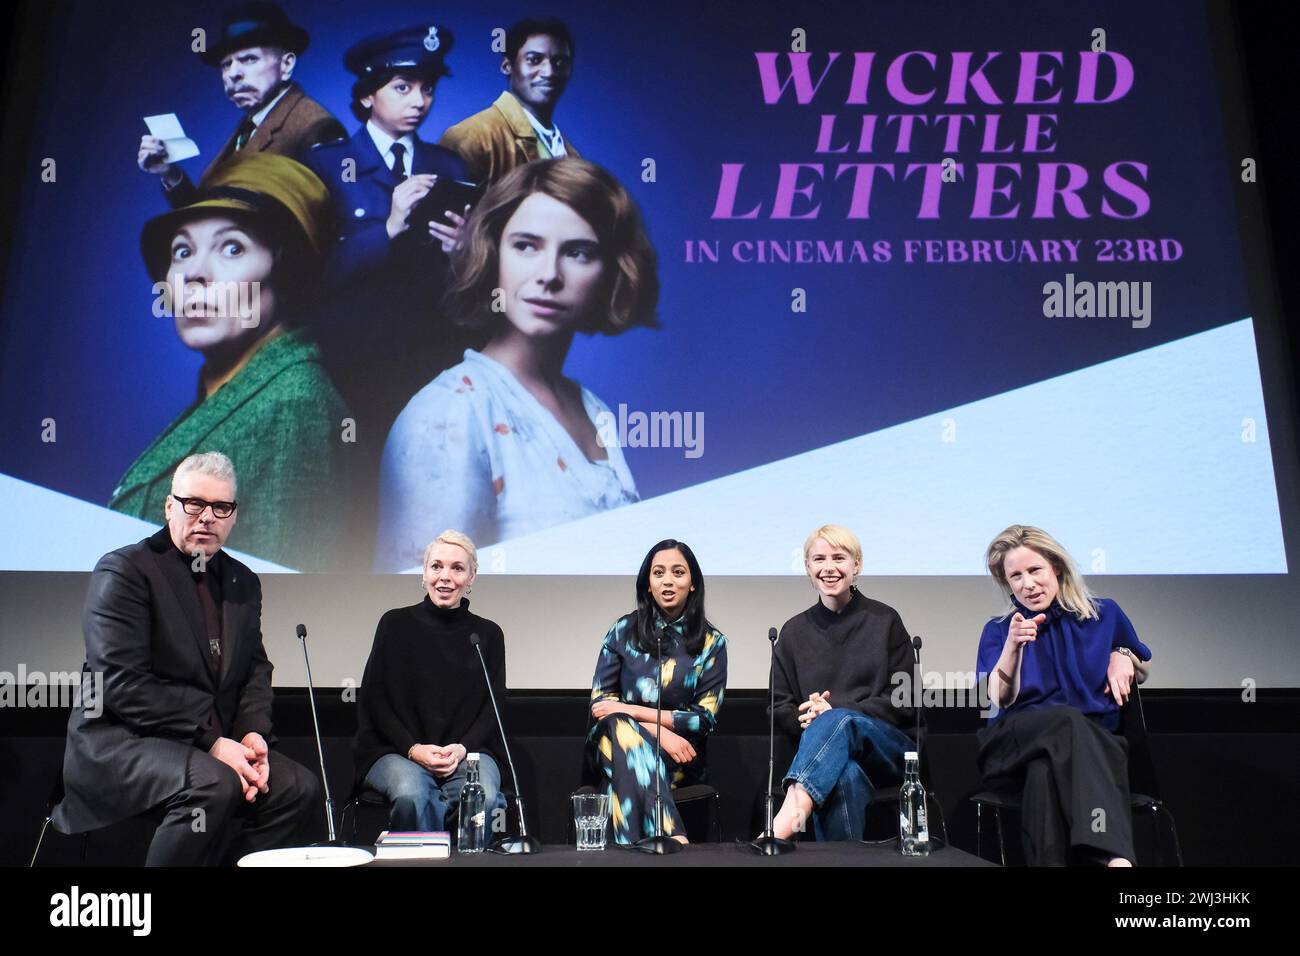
{"x": 1125, "y": 651}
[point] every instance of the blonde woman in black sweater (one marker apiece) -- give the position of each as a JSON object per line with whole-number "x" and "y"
{"x": 423, "y": 704}
{"x": 834, "y": 664}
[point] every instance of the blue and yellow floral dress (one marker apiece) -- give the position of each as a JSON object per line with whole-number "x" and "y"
{"x": 624, "y": 750}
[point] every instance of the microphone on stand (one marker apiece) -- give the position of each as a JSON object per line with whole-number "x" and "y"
{"x": 333, "y": 852}
{"x": 920, "y": 706}
{"x": 916, "y": 675}
{"x": 523, "y": 843}
{"x": 320, "y": 751}
{"x": 769, "y": 844}
{"x": 658, "y": 844}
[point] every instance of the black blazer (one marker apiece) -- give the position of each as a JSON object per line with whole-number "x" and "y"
{"x": 129, "y": 749}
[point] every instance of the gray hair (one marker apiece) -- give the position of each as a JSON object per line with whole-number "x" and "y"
{"x": 211, "y": 463}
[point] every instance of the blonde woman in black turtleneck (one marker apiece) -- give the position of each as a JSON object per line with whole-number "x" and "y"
{"x": 832, "y": 677}
{"x": 423, "y": 704}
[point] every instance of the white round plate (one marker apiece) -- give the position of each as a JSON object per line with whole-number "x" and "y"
{"x": 309, "y": 856}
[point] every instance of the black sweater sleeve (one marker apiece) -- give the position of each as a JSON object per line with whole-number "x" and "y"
{"x": 498, "y": 668}
{"x": 375, "y": 695}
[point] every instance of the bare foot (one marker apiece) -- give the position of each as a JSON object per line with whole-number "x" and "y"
{"x": 1119, "y": 861}
{"x": 794, "y": 812}
{"x": 680, "y": 838}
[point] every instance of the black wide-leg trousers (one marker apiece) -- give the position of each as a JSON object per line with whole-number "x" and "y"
{"x": 1072, "y": 776}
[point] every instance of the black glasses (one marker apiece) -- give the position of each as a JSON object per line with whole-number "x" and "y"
{"x": 195, "y": 506}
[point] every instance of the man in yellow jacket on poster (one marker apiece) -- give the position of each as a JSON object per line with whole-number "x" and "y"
{"x": 520, "y": 126}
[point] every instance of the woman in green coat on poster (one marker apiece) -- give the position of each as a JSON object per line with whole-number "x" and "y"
{"x": 231, "y": 269}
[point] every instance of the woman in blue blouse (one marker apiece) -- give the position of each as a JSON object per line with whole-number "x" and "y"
{"x": 1060, "y": 663}
{"x": 669, "y": 597}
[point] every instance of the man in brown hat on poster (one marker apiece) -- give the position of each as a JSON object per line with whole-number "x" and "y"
{"x": 257, "y": 52}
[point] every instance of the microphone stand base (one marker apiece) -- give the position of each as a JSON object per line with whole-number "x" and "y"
{"x": 658, "y": 845}
{"x": 768, "y": 845}
{"x": 514, "y": 845}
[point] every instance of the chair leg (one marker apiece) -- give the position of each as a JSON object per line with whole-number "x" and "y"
{"x": 1173, "y": 831}
{"x": 1155, "y": 833}
{"x": 1002, "y": 843}
{"x": 39, "y": 840}
{"x": 943, "y": 823}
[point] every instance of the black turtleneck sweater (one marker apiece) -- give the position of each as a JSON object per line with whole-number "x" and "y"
{"x": 424, "y": 685}
{"x": 853, "y": 654}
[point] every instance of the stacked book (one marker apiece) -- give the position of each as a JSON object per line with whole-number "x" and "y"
{"x": 407, "y": 845}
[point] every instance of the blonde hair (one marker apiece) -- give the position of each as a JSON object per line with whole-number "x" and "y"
{"x": 460, "y": 540}
{"x": 1074, "y": 594}
{"x": 837, "y": 537}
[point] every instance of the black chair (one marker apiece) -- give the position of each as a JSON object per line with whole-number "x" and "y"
{"x": 365, "y": 799}
{"x": 883, "y": 797}
{"x": 1143, "y": 787}
{"x": 787, "y": 747}
{"x": 124, "y": 843}
{"x": 701, "y": 808}
{"x": 891, "y": 796}
{"x": 56, "y": 795}
{"x": 699, "y": 804}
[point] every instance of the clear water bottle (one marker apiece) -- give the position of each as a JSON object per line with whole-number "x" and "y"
{"x": 471, "y": 835}
{"x": 913, "y": 831}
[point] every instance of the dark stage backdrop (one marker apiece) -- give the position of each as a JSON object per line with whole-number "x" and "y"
{"x": 879, "y": 234}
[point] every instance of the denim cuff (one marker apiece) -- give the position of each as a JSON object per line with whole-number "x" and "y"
{"x": 817, "y": 798}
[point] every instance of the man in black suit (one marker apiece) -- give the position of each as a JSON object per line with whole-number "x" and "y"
{"x": 174, "y": 626}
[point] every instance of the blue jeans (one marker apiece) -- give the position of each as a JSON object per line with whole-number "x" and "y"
{"x": 421, "y": 802}
{"x": 843, "y": 756}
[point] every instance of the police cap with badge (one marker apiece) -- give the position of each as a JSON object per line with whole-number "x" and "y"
{"x": 413, "y": 51}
